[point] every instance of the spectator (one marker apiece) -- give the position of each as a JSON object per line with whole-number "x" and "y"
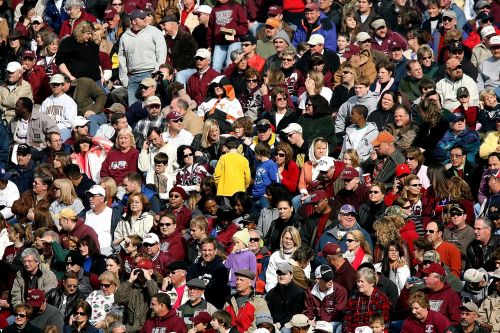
{"x": 314, "y": 22}
{"x": 22, "y": 315}
{"x": 166, "y": 318}
{"x": 423, "y": 315}
{"x": 36, "y": 76}
{"x": 487, "y": 68}
{"x": 13, "y": 88}
{"x": 196, "y": 304}
{"x": 75, "y": 10}
{"x": 403, "y": 129}
{"x": 64, "y": 297}
{"x": 43, "y": 314}
{"x": 480, "y": 250}
{"x": 360, "y": 134}
{"x": 122, "y": 159}
{"x": 81, "y": 319}
{"x": 455, "y": 78}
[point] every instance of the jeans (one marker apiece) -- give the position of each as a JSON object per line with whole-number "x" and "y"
{"x": 184, "y": 75}
{"x": 297, "y": 201}
{"x": 133, "y": 85}
{"x": 95, "y": 121}
{"x": 256, "y": 26}
{"x": 259, "y": 203}
{"x": 65, "y": 133}
{"x": 222, "y": 53}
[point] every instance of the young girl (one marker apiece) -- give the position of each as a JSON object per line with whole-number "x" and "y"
{"x": 133, "y": 244}
{"x": 240, "y": 256}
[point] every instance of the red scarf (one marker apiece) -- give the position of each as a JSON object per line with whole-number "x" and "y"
{"x": 358, "y": 258}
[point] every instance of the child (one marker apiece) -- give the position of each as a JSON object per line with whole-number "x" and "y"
{"x": 343, "y": 39}
{"x": 240, "y": 256}
{"x": 266, "y": 173}
{"x": 225, "y": 229}
{"x": 377, "y": 324}
{"x": 470, "y": 112}
{"x": 132, "y": 246}
{"x": 160, "y": 179}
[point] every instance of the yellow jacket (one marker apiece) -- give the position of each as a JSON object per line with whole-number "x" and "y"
{"x": 232, "y": 174}
{"x": 490, "y": 144}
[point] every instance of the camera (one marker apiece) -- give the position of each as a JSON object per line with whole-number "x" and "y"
{"x": 158, "y": 75}
{"x": 139, "y": 273}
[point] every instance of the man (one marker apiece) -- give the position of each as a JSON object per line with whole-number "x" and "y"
{"x": 81, "y": 182}
{"x": 460, "y": 233}
{"x": 265, "y": 134}
{"x": 176, "y": 134}
{"x": 55, "y": 145}
{"x": 174, "y": 283}
{"x": 364, "y": 41}
{"x": 383, "y": 37}
{"x": 137, "y": 111}
{"x": 36, "y": 76}
{"x": 337, "y": 235}
{"x": 326, "y": 300}
{"x": 431, "y": 256}
{"x": 200, "y": 31}
{"x": 448, "y": 252}
{"x": 133, "y": 185}
{"x": 211, "y": 270}
{"x": 360, "y": 133}
{"x": 23, "y": 173}
{"x": 448, "y": 5}
{"x": 112, "y": 24}
{"x": 480, "y": 250}
{"x": 320, "y": 219}
{"x": 344, "y": 273}
{"x": 196, "y": 302}
{"x": 476, "y": 285}
{"x": 192, "y": 122}
{"x": 398, "y": 60}
{"x": 244, "y": 305}
{"x": 118, "y": 121}
{"x": 154, "y": 119}
{"x": 469, "y": 320}
{"x": 299, "y": 323}
{"x": 456, "y": 51}
{"x": 44, "y": 314}
{"x": 136, "y": 293}
{"x": 454, "y": 79}
{"x": 286, "y": 298}
{"x": 249, "y": 45}
{"x": 410, "y": 83}
{"x": 384, "y": 159}
{"x": 354, "y": 192}
{"x": 13, "y": 89}
{"x": 457, "y": 135}
{"x": 99, "y": 218}
{"x": 366, "y": 13}
{"x": 87, "y": 281}
{"x": 318, "y": 23}
{"x": 265, "y": 47}
{"x": 493, "y": 159}
{"x": 141, "y": 52}
{"x": 73, "y": 229}
{"x": 281, "y": 42}
{"x": 64, "y": 297}
{"x": 317, "y": 46}
{"x": 60, "y": 107}
{"x": 164, "y": 319}
{"x": 151, "y": 244}
{"x": 299, "y": 144}
{"x": 482, "y": 50}
{"x": 486, "y": 78}
{"x": 197, "y": 84}
{"x": 8, "y": 194}
{"x": 32, "y": 276}
{"x": 463, "y": 168}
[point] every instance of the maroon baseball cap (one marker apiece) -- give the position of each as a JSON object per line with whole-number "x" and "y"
{"x": 318, "y": 195}
{"x": 202, "y": 317}
{"x": 349, "y": 173}
{"x": 172, "y": 115}
{"x": 275, "y": 10}
{"x": 330, "y": 249}
{"x": 29, "y": 54}
{"x": 351, "y": 50}
{"x": 312, "y": 6}
{"x": 36, "y": 297}
{"x": 434, "y": 268}
{"x": 110, "y": 13}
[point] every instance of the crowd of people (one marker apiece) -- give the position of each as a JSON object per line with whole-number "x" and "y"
{"x": 326, "y": 166}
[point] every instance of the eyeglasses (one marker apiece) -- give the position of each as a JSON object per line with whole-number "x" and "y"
{"x": 458, "y": 67}
{"x": 178, "y": 120}
{"x": 188, "y": 155}
{"x": 373, "y": 192}
{"x": 246, "y": 44}
{"x": 175, "y": 196}
{"x": 429, "y": 231}
{"x": 281, "y": 154}
{"x": 20, "y": 315}
{"x": 407, "y": 207}
{"x": 254, "y": 239}
{"x": 350, "y": 240}
{"x": 165, "y": 224}
{"x": 154, "y": 106}
{"x": 454, "y": 156}
{"x": 456, "y": 214}
{"x": 78, "y": 313}
{"x": 287, "y": 59}
{"x": 479, "y": 229}
{"x": 416, "y": 185}
{"x": 457, "y": 51}
{"x": 252, "y": 80}
{"x": 105, "y": 285}
{"x": 349, "y": 214}
{"x": 116, "y": 4}
{"x": 280, "y": 99}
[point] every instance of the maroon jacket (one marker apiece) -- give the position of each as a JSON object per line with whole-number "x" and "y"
{"x": 67, "y": 27}
{"x": 390, "y": 37}
{"x": 197, "y": 88}
{"x": 230, "y": 16}
{"x": 225, "y": 237}
{"x": 331, "y": 308}
{"x": 70, "y": 238}
{"x": 434, "y": 323}
{"x": 161, "y": 263}
{"x": 175, "y": 246}
{"x": 345, "y": 276}
{"x": 39, "y": 81}
{"x": 171, "y": 322}
{"x": 182, "y": 217}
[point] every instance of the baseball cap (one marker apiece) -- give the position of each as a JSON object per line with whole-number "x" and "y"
{"x": 248, "y": 38}
{"x": 284, "y": 267}
{"x": 36, "y": 297}
{"x": 293, "y": 127}
{"x": 473, "y": 275}
{"x": 469, "y": 306}
{"x": 396, "y": 44}
{"x": 275, "y": 10}
{"x": 57, "y": 79}
{"x": 14, "y": 66}
{"x": 263, "y": 125}
{"x": 151, "y": 238}
{"x": 362, "y": 37}
{"x": 488, "y": 30}
{"x": 495, "y": 40}
{"x": 202, "y": 317}
{"x": 402, "y": 169}
{"x": 273, "y": 22}
{"x": 325, "y": 163}
{"x": 496, "y": 274}
{"x": 455, "y": 46}
{"x": 137, "y": 13}
{"x": 36, "y": 18}
{"x": 169, "y": 18}
{"x": 434, "y": 268}
{"x": 450, "y": 14}
{"x": 330, "y": 249}
{"x": 66, "y": 213}
{"x": 383, "y": 137}
{"x": 456, "y": 208}
{"x": 316, "y": 39}
{"x": 456, "y": 117}
{"x": 110, "y": 13}
{"x": 196, "y": 283}
{"x": 318, "y": 195}
{"x": 350, "y": 50}
{"x": 462, "y": 91}
{"x": 145, "y": 263}
{"x": 323, "y": 326}
{"x": 116, "y": 108}
{"x": 324, "y": 272}
{"x": 345, "y": 209}
{"x": 96, "y": 189}
{"x": 4, "y": 175}
{"x": 378, "y": 23}
{"x": 312, "y": 6}
{"x": 262, "y": 318}
{"x": 29, "y": 54}
{"x": 204, "y": 9}
{"x": 173, "y": 115}
{"x": 298, "y": 320}
{"x": 481, "y": 4}
{"x": 23, "y": 149}
{"x": 349, "y": 173}
{"x": 148, "y": 82}
{"x": 75, "y": 258}
{"x": 80, "y": 122}
{"x": 153, "y": 100}
{"x": 203, "y": 53}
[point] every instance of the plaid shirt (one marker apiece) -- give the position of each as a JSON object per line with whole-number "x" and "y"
{"x": 143, "y": 126}
{"x": 360, "y": 308}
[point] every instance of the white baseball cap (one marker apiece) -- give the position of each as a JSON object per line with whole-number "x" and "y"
{"x": 203, "y": 53}
{"x": 80, "y": 121}
{"x": 13, "y": 66}
{"x": 203, "y": 9}
{"x": 316, "y": 39}
{"x": 323, "y": 326}
{"x": 488, "y": 31}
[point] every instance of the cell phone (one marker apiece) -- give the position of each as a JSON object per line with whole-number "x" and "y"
{"x": 414, "y": 280}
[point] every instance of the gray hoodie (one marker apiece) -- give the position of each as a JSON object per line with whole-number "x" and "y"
{"x": 343, "y": 120}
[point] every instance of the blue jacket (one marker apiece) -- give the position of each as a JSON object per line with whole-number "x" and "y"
{"x": 4, "y": 146}
{"x": 23, "y": 177}
{"x": 324, "y": 28}
{"x": 53, "y": 17}
{"x": 265, "y": 174}
{"x": 468, "y": 139}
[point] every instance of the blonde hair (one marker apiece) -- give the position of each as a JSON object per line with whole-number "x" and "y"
{"x": 386, "y": 231}
{"x": 126, "y": 131}
{"x": 318, "y": 78}
{"x": 68, "y": 194}
{"x": 111, "y": 277}
{"x": 109, "y": 186}
{"x": 82, "y": 28}
{"x": 485, "y": 93}
{"x": 294, "y": 232}
{"x": 208, "y": 126}
{"x": 199, "y": 222}
{"x": 358, "y": 236}
{"x": 353, "y": 154}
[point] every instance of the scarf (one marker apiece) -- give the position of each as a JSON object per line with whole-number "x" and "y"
{"x": 358, "y": 258}
{"x": 380, "y": 90}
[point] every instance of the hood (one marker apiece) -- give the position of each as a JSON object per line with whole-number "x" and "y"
{"x": 369, "y": 127}
{"x": 311, "y": 152}
{"x": 370, "y": 95}
{"x": 283, "y": 35}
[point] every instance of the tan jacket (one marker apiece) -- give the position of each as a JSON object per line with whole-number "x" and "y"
{"x": 39, "y": 126}
{"x": 9, "y": 98}
{"x": 192, "y": 122}
{"x": 489, "y": 312}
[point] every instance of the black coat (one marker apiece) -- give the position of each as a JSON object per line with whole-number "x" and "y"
{"x": 55, "y": 297}
{"x": 216, "y": 277}
{"x": 27, "y": 329}
{"x": 478, "y": 256}
{"x": 333, "y": 61}
{"x": 184, "y": 48}
{"x": 283, "y": 301}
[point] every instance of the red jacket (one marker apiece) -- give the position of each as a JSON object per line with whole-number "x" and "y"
{"x": 175, "y": 246}
{"x": 434, "y": 323}
{"x": 182, "y": 217}
{"x": 39, "y": 81}
{"x": 68, "y": 26}
{"x": 360, "y": 308}
{"x": 197, "y": 88}
{"x": 230, "y": 16}
{"x": 225, "y": 237}
{"x": 290, "y": 177}
{"x": 70, "y": 238}
{"x": 171, "y": 322}
{"x": 331, "y": 308}
{"x": 409, "y": 233}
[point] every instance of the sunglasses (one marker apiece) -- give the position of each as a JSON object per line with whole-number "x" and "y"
{"x": 73, "y": 286}
{"x": 20, "y": 315}
{"x": 281, "y": 99}
{"x": 406, "y": 207}
{"x": 252, "y": 80}
{"x": 457, "y": 51}
{"x": 430, "y": 231}
{"x": 494, "y": 47}
{"x": 350, "y": 240}
{"x": 447, "y": 19}
{"x": 78, "y": 313}
{"x": 105, "y": 285}
{"x": 165, "y": 224}
{"x": 154, "y": 106}
{"x": 458, "y": 67}
{"x": 287, "y": 59}
{"x": 456, "y": 214}
{"x": 427, "y": 58}
{"x": 349, "y": 214}
{"x": 254, "y": 239}
{"x": 246, "y": 44}
{"x": 175, "y": 196}
{"x": 281, "y": 154}
{"x": 55, "y": 84}
{"x": 188, "y": 155}
{"x": 178, "y": 120}
{"x": 416, "y": 185}
{"x": 117, "y": 4}
{"x": 373, "y": 192}
{"x": 409, "y": 158}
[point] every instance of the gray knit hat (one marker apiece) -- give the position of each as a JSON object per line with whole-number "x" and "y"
{"x": 282, "y": 35}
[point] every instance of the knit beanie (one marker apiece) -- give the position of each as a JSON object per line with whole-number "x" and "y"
{"x": 179, "y": 190}
{"x": 283, "y": 35}
{"x": 243, "y": 235}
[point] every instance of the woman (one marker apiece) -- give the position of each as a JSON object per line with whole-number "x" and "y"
{"x": 317, "y": 120}
{"x": 176, "y": 206}
{"x": 374, "y": 208}
{"x": 437, "y": 195}
{"x": 385, "y": 75}
{"x": 138, "y": 219}
{"x": 423, "y": 319}
{"x": 124, "y": 155}
{"x": 38, "y": 197}
{"x": 281, "y": 114}
{"x": 416, "y": 39}
{"x": 320, "y": 64}
{"x": 367, "y": 303}
{"x": 172, "y": 243}
{"x": 60, "y": 161}
{"x": 489, "y": 108}
{"x": 21, "y": 324}
{"x": 402, "y": 128}
{"x": 286, "y": 217}
{"x": 413, "y": 192}
{"x": 394, "y": 265}
{"x": 114, "y": 264}
{"x": 351, "y": 24}
{"x": 385, "y": 231}
{"x": 111, "y": 190}
{"x": 358, "y": 249}
{"x": 80, "y": 320}
{"x": 243, "y": 131}
{"x": 241, "y": 203}
{"x": 293, "y": 76}
{"x": 47, "y": 51}
{"x": 289, "y": 242}
{"x": 274, "y": 193}
{"x": 384, "y": 114}
{"x": 95, "y": 262}
{"x": 351, "y": 159}
{"x": 415, "y": 161}
{"x": 101, "y": 301}
{"x": 207, "y": 145}
{"x": 315, "y": 85}
{"x": 190, "y": 174}
{"x": 65, "y": 197}
{"x": 425, "y": 57}
{"x": 78, "y": 55}
{"x": 24, "y": 23}
{"x": 460, "y": 192}
{"x": 288, "y": 171}
{"x": 20, "y": 238}
{"x": 16, "y": 48}
{"x": 251, "y": 97}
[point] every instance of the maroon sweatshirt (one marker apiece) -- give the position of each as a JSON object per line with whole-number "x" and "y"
{"x": 171, "y": 322}
{"x": 118, "y": 164}
{"x": 70, "y": 238}
{"x": 230, "y": 16}
{"x": 434, "y": 323}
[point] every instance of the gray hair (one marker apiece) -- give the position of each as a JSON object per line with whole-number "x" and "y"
{"x": 31, "y": 252}
{"x": 73, "y": 3}
{"x": 235, "y": 54}
{"x": 115, "y": 325}
{"x": 53, "y": 234}
{"x": 368, "y": 274}
{"x": 486, "y": 221}
{"x": 182, "y": 103}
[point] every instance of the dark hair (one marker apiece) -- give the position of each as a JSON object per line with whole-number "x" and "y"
{"x": 494, "y": 154}
{"x": 70, "y": 275}
{"x": 153, "y": 129}
{"x": 320, "y": 105}
{"x": 458, "y": 147}
{"x": 394, "y": 99}
{"x": 426, "y": 83}
{"x": 303, "y": 253}
{"x": 72, "y": 171}
{"x": 277, "y": 191}
{"x": 27, "y": 103}
{"x": 83, "y": 305}
{"x": 79, "y": 141}
{"x": 388, "y": 65}
{"x": 223, "y": 318}
{"x": 423, "y": 244}
{"x": 94, "y": 250}
{"x": 361, "y": 110}
{"x": 115, "y": 117}
{"x": 180, "y": 154}
{"x": 161, "y": 157}
{"x": 263, "y": 149}
{"x": 243, "y": 198}
{"x": 164, "y": 299}
{"x": 386, "y": 267}
{"x": 231, "y": 143}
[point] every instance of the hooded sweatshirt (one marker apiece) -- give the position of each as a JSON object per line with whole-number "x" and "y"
{"x": 343, "y": 120}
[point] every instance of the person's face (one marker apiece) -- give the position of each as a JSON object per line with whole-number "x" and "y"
{"x": 285, "y": 211}
{"x": 107, "y": 287}
{"x": 176, "y": 125}
{"x": 210, "y": 207}
{"x": 387, "y": 102}
{"x": 341, "y": 42}
{"x": 136, "y": 205}
{"x": 432, "y": 233}
{"x": 361, "y": 90}
{"x": 215, "y": 324}
{"x": 74, "y": 12}
{"x": 375, "y": 194}
{"x": 364, "y": 6}
{"x": 87, "y": 36}
{"x": 280, "y": 45}
{"x": 352, "y": 184}
{"x": 490, "y": 100}
{"x": 384, "y": 75}
{"x": 124, "y": 142}
{"x": 112, "y": 265}
{"x": 242, "y": 283}
{"x": 493, "y": 163}
{"x": 167, "y": 226}
{"x": 287, "y": 61}
{"x": 23, "y": 160}
{"x": 280, "y": 157}
{"x": 433, "y": 10}
{"x": 455, "y": 73}
{"x": 324, "y": 5}
{"x": 82, "y": 130}
{"x": 252, "y": 83}
{"x": 320, "y": 206}
{"x": 449, "y": 23}
{"x": 347, "y": 220}
{"x": 356, "y": 118}
{"x": 208, "y": 252}
{"x": 457, "y": 156}
{"x": 253, "y": 244}
{"x": 96, "y": 200}
{"x": 84, "y": 249}
{"x": 175, "y": 200}
{"x": 467, "y": 317}
{"x": 347, "y": 76}
{"x": 113, "y": 22}
{"x": 284, "y": 278}
{"x": 493, "y": 184}
{"x": 414, "y": 187}
{"x": 21, "y": 317}
{"x": 457, "y": 54}
{"x": 312, "y": 16}
{"x": 147, "y": 91}
{"x": 495, "y": 50}
{"x": 38, "y": 186}
{"x": 13, "y": 77}
{"x": 352, "y": 243}
{"x": 214, "y": 134}
{"x": 178, "y": 276}
{"x": 264, "y": 135}
{"x": 70, "y": 286}
{"x": 270, "y": 31}
{"x": 156, "y": 139}
{"x": 55, "y": 142}
{"x": 188, "y": 156}
{"x": 14, "y": 43}
{"x": 320, "y": 150}
{"x": 194, "y": 294}
{"x": 154, "y": 110}
{"x": 396, "y": 54}
{"x": 401, "y": 118}
{"x": 197, "y": 233}
{"x": 152, "y": 249}
{"x": 121, "y": 124}
{"x": 416, "y": 71}
{"x": 202, "y": 63}
{"x": 28, "y": 63}
{"x": 364, "y": 286}
{"x": 347, "y": 160}
{"x": 288, "y": 242}
{"x": 381, "y": 32}
{"x": 459, "y": 125}
{"x": 377, "y": 327}
{"x": 481, "y": 231}
{"x": 418, "y": 312}
{"x": 156, "y": 307}
{"x": 30, "y": 264}
{"x": 393, "y": 253}
{"x": 458, "y": 218}
{"x": 84, "y": 147}
{"x": 53, "y": 47}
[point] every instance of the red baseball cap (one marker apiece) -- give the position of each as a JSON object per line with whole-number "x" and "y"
{"x": 434, "y": 268}
{"x": 330, "y": 249}
{"x": 402, "y": 170}
{"x": 145, "y": 264}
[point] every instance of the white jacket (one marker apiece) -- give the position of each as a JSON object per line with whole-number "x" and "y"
{"x": 447, "y": 89}
{"x": 232, "y": 108}
{"x": 364, "y": 146}
{"x": 7, "y": 197}
{"x": 402, "y": 274}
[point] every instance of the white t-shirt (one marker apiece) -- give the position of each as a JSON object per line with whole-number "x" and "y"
{"x": 325, "y": 92}
{"x": 102, "y": 225}
{"x": 62, "y": 109}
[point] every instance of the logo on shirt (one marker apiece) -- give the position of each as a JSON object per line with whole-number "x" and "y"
{"x": 119, "y": 165}
{"x": 223, "y": 17}
{"x": 435, "y": 305}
